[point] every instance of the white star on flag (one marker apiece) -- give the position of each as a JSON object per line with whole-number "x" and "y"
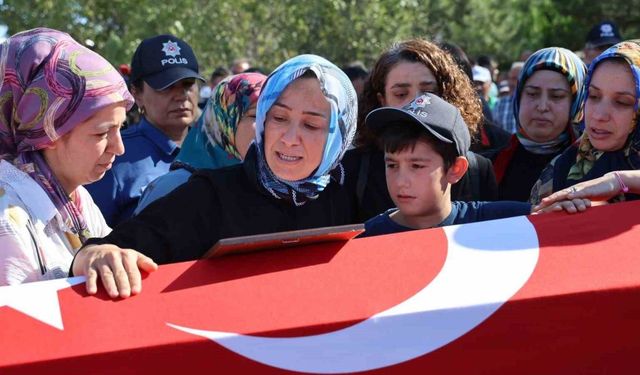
{"x": 39, "y": 300}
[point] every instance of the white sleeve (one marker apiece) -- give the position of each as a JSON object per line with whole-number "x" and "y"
{"x": 17, "y": 254}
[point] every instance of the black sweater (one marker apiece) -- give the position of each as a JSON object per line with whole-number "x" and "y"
{"x": 222, "y": 203}
{"x": 522, "y": 173}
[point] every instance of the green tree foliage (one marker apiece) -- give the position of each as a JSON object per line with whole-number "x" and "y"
{"x": 341, "y": 30}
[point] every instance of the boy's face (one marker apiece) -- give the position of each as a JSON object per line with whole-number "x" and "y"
{"x": 417, "y": 180}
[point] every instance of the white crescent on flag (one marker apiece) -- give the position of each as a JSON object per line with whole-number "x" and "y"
{"x": 486, "y": 264}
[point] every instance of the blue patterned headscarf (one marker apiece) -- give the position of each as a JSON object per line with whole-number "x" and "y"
{"x": 590, "y": 162}
{"x": 565, "y": 62}
{"x": 341, "y": 95}
{"x": 628, "y": 51}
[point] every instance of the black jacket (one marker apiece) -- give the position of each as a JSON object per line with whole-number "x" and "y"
{"x": 222, "y": 203}
{"x": 490, "y": 141}
{"x": 522, "y": 173}
{"x": 367, "y": 185}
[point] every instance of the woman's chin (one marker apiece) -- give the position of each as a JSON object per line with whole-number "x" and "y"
{"x": 94, "y": 177}
{"x": 604, "y": 145}
{"x": 290, "y": 176}
{"x": 289, "y": 171}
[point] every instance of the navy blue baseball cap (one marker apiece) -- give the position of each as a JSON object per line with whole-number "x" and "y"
{"x": 604, "y": 34}
{"x": 441, "y": 119}
{"x": 163, "y": 60}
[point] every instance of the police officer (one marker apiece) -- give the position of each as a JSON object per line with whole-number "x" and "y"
{"x": 164, "y": 71}
{"x": 600, "y": 37}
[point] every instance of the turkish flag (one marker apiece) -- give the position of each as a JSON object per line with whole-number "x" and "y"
{"x": 550, "y": 294}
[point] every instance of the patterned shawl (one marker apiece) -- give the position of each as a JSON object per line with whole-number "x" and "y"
{"x": 211, "y": 142}
{"x": 51, "y": 83}
{"x": 569, "y": 65}
{"x": 589, "y": 162}
{"x": 629, "y": 51}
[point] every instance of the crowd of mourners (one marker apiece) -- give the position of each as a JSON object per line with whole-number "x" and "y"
{"x": 109, "y": 172}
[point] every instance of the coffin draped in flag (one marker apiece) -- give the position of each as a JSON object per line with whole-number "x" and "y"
{"x": 550, "y": 294}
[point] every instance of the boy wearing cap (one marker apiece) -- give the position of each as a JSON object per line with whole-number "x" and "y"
{"x": 425, "y": 146}
{"x": 163, "y": 77}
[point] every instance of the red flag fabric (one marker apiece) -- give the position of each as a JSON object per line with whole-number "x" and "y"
{"x": 550, "y": 294}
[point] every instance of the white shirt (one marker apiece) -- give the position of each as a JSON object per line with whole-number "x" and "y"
{"x": 33, "y": 244}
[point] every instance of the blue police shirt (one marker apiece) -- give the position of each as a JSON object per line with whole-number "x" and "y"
{"x": 148, "y": 155}
{"x": 197, "y": 152}
{"x": 162, "y": 186}
{"x": 461, "y": 213}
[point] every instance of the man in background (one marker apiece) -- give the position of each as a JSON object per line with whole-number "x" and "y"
{"x": 600, "y": 37}
{"x": 240, "y": 66}
{"x": 503, "y": 111}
